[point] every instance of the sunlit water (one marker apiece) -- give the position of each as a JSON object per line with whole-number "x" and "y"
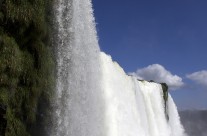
{"x": 94, "y": 96}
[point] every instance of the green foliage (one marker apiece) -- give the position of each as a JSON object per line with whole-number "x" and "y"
{"x": 4, "y": 96}
{"x": 15, "y": 126}
{"x": 25, "y": 11}
{"x": 26, "y": 63}
{"x": 10, "y": 57}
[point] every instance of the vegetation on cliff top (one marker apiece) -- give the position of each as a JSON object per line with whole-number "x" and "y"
{"x": 26, "y": 64}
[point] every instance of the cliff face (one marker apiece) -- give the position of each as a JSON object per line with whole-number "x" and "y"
{"x": 26, "y": 65}
{"x": 165, "y": 97}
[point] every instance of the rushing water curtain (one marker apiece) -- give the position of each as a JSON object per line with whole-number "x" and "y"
{"x": 94, "y": 96}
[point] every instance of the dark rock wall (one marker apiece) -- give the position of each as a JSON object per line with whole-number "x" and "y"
{"x": 2, "y": 120}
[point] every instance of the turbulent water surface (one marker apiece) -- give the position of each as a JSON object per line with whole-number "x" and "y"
{"x": 94, "y": 95}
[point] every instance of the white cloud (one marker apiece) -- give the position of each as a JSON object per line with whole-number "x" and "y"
{"x": 158, "y": 73}
{"x": 199, "y": 77}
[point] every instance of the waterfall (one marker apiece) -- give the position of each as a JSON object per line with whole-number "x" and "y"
{"x": 94, "y": 96}
{"x": 79, "y": 94}
{"x": 136, "y": 108}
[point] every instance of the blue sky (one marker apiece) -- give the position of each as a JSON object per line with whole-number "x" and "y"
{"x": 171, "y": 34}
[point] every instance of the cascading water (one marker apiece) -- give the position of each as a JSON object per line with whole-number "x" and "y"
{"x": 136, "y": 108}
{"x": 79, "y": 93}
{"x": 94, "y": 95}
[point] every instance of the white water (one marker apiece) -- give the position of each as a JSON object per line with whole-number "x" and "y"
{"x": 94, "y": 95}
{"x": 136, "y": 108}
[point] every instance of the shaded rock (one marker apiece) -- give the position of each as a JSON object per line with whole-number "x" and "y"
{"x": 3, "y": 121}
{"x": 165, "y": 97}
